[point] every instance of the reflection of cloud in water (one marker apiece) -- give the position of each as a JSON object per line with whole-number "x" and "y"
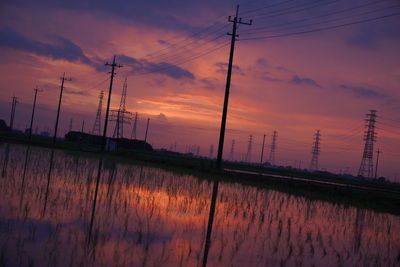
{"x": 153, "y": 217}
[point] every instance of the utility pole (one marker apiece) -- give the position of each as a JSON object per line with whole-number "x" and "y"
{"x": 113, "y": 65}
{"x": 63, "y": 79}
{"x": 211, "y": 154}
{"x": 147, "y": 128}
{"x": 235, "y": 22}
{"x": 33, "y": 112}
{"x": 262, "y": 149}
{"x": 70, "y": 125}
{"x": 377, "y": 159}
{"x": 13, "y": 106}
{"x": 366, "y": 166}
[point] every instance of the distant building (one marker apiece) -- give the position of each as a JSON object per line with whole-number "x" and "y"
{"x": 3, "y": 126}
{"x": 112, "y": 143}
{"x": 45, "y": 134}
{"x": 28, "y": 131}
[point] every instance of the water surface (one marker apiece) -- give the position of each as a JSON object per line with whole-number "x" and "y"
{"x": 147, "y": 216}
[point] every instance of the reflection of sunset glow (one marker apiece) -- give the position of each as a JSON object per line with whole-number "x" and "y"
{"x": 149, "y": 216}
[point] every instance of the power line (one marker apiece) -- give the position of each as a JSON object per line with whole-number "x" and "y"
{"x": 173, "y": 45}
{"x": 179, "y": 46}
{"x": 322, "y": 28}
{"x": 171, "y": 65}
{"x": 176, "y": 54}
{"x": 265, "y": 7}
{"x": 306, "y": 6}
{"x": 263, "y": 29}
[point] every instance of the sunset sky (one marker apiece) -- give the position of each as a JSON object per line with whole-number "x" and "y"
{"x": 175, "y": 53}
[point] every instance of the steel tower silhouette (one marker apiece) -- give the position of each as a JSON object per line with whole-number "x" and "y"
{"x": 249, "y": 147}
{"x": 133, "y": 135}
{"x": 121, "y": 116}
{"x": 97, "y": 123}
{"x": 367, "y": 166}
{"x": 233, "y": 149}
{"x": 271, "y": 159}
{"x": 211, "y": 154}
{"x": 315, "y": 151}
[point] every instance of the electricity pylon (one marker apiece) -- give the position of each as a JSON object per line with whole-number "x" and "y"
{"x": 121, "y": 116}
{"x": 97, "y": 123}
{"x": 271, "y": 159}
{"x": 367, "y": 167}
{"x": 315, "y": 151}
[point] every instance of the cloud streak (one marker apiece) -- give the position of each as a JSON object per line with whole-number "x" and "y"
{"x": 61, "y": 49}
{"x": 304, "y": 81}
{"x": 363, "y": 92}
{"x": 145, "y": 66}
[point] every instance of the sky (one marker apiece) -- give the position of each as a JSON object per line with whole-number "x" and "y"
{"x": 301, "y": 66}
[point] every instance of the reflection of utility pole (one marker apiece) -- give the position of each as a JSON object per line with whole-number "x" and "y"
{"x": 236, "y": 20}
{"x": 63, "y": 79}
{"x": 147, "y": 128}
{"x": 33, "y": 112}
{"x": 377, "y": 159}
{"x": 13, "y": 106}
{"x": 103, "y": 145}
{"x": 207, "y": 242}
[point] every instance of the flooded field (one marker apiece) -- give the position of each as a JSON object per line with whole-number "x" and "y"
{"x": 57, "y": 213}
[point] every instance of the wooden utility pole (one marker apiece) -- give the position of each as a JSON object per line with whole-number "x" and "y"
{"x": 33, "y": 112}
{"x": 147, "y": 128}
{"x": 63, "y": 79}
{"x": 236, "y": 20}
{"x": 113, "y": 65}
{"x": 13, "y": 106}
{"x": 262, "y": 149}
{"x": 103, "y": 146}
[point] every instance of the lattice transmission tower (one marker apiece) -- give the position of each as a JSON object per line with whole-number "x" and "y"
{"x": 121, "y": 116}
{"x": 367, "y": 166}
{"x": 233, "y": 149}
{"x": 134, "y": 129}
{"x": 211, "y": 153}
{"x": 271, "y": 159}
{"x": 315, "y": 151}
{"x": 249, "y": 148}
{"x": 97, "y": 123}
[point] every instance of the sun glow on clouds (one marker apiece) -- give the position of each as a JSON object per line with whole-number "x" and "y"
{"x": 294, "y": 85}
